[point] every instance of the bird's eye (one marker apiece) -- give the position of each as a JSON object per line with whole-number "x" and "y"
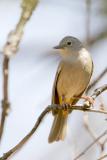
{"x": 69, "y": 43}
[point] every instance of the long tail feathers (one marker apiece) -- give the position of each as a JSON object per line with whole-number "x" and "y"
{"x": 59, "y": 127}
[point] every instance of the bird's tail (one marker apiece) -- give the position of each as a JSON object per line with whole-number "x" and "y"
{"x": 59, "y": 127}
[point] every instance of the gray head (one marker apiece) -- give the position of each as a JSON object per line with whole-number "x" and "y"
{"x": 69, "y": 45}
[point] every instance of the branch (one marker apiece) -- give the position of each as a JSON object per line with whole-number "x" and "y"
{"x": 100, "y": 76}
{"x": 82, "y": 108}
{"x": 89, "y": 146}
{"x": 103, "y": 157}
{"x": 5, "y": 103}
{"x": 98, "y": 91}
{"x": 26, "y": 138}
{"x": 89, "y": 129}
{"x": 88, "y": 38}
{"x": 38, "y": 122}
{"x": 10, "y": 49}
{"x": 54, "y": 108}
{"x": 88, "y": 20}
{"x": 92, "y": 133}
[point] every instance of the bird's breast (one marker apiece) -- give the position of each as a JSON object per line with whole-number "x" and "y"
{"x": 74, "y": 77}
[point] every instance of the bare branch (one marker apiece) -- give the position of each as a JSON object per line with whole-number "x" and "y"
{"x": 88, "y": 19}
{"x": 102, "y": 105}
{"x": 103, "y": 157}
{"x": 56, "y": 108}
{"x": 89, "y": 129}
{"x": 88, "y": 40}
{"x": 26, "y": 138}
{"x": 88, "y": 33}
{"x": 10, "y": 48}
{"x": 98, "y": 91}
{"x": 100, "y": 76}
{"x": 89, "y": 146}
{"x": 39, "y": 120}
{"x": 5, "y": 103}
{"x": 92, "y": 133}
{"x": 82, "y": 108}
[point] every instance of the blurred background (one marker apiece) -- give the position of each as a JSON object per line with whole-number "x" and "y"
{"x": 32, "y": 72}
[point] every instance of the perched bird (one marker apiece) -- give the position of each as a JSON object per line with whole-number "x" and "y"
{"x": 72, "y": 78}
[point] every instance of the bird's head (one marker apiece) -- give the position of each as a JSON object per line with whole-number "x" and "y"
{"x": 69, "y": 46}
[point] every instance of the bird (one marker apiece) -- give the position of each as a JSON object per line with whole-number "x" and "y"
{"x": 71, "y": 80}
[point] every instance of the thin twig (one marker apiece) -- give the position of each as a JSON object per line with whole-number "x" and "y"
{"x": 88, "y": 32}
{"x": 102, "y": 106}
{"x": 104, "y": 142}
{"x": 88, "y": 20}
{"x": 10, "y": 49}
{"x": 100, "y": 76}
{"x": 54, "y": 107}
{"x": 5, "y": 101}
{"x": 92, "y": 133}
{"x": 88, "y": 35}
{"x": 103, "y": 146}
{"x": 89, "y": 129}
{"x": 39, "y": 120}
{"x": 26, "y": 138}
{"x": 98, "y": 91}
{"x": 103, "y": 157}
{"x": 89, "y": 146}
{"x": 81, "y": 108}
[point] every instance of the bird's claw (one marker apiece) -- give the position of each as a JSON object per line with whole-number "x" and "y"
{"x": 88, "y": 101}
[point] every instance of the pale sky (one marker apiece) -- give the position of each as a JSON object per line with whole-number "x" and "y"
{"x": 32, "y": 73}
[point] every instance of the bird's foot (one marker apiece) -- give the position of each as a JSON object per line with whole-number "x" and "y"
{"x": 66, "y": 109}
{"x": 88, "y": 101}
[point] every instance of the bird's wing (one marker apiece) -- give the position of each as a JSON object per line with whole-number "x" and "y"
{"x": 76, "y": 100}
{"x": 90, "y": 76}
{"x": 55, "y": 98}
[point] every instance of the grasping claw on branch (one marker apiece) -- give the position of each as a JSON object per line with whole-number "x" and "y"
{"x": 55, "y": 108}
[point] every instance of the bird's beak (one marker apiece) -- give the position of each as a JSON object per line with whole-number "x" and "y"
{"x": 59, "y": 47}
